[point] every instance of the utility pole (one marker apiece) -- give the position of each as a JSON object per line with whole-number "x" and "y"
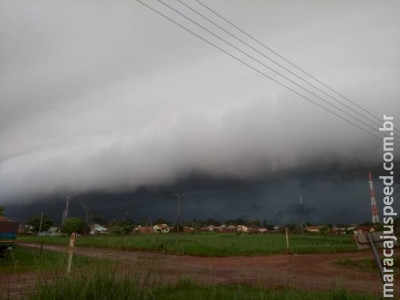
{"x": 179, "y": 196}
{"x": 301, "y": 222}
{"x": 41, "y": 221}
{"x": 86, "y": 211}
{"x": 65, "y": 212}
{"x": 374, "y": 209}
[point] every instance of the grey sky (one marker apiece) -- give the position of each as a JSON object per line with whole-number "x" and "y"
{"x": 107, "y": 95}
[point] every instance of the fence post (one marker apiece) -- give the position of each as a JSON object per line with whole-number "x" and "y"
{"x": 70, "y": 251}
{"x": 287, "y": 238}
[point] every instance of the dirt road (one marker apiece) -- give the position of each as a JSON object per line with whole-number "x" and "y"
{"x": 310, "y": 271}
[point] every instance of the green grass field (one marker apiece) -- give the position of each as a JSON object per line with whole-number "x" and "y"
{"x": 108, "y": 285}
{"x": 367, "y": 264}
{"x": 103, "y": 281}
{"x": 27, "y": 259}
{"x": 212, "y": 245}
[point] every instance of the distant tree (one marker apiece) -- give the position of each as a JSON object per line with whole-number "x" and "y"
{"x": 72, "y": 225}
{"x": 378, "y": 226}
{"x": 253, "y": 223}
{"x": 97, "y": 219}
{"x": 1, "y": 211}
{"x": 160, "y": 221}
{"x": 367, "y": 224}
{"x": 342, "y": 225}
{"x": 237, "y": 221}
{"x": 212, "y": 221}
{"x": 324, "y": 231}
{"x": 128, "y": 225}
{"x": 35, "y": 223}
{"x": 143, "y": 221}
{"x": 195, "y": 223}
{"x": 116, "y": 230}
{"x": 291, "y": 227}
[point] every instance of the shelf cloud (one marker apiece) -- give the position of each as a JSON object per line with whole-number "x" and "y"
{"x": 108, "y": 96}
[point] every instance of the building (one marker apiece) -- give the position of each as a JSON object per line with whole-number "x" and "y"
{"x": 143, "y": 229}
{"x": 97, "y": 229}
{"x": 242, "y": 229}
{"x": 162, "y": 228}
{"x": 313, "y": 229}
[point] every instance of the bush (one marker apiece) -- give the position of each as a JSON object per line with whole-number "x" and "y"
{"x": 116, "y": 230}
{"x": 72, "y": 225}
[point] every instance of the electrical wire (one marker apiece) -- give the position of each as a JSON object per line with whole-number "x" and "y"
{"x": 276, "y": 72}
{"x": 280, "y": 65}
{"x": 291, "y": 63}
{"x": 257, "y": 70}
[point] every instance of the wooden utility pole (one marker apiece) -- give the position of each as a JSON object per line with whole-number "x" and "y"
{"x": 178, "y": 210}
{"x": 301, "y": 222}
{"x": 41, "y": 221}
{"x": 86, "y": 210}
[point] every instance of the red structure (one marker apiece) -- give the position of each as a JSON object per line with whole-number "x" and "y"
{"x": 374, "y": 208}
{"x": 8, "y": 234}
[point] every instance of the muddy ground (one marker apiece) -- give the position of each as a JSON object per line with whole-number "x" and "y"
{"x": 307, "y": 271}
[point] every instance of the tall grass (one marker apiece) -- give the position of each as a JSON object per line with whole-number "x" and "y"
{"x": 367, "y": 264}
{"x": 18, "y": 276}
{"x": 102, "y": 285}
{"x": 27, "y": 259}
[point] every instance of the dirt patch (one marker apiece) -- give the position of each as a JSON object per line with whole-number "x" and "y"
{"x": 307, "y": 272}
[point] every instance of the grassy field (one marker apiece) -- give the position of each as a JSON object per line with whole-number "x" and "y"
{"x": 212, "y": 245}
{"x": 26, "y": 259}
{"x": 108, "y": 285}
{"x": 97, "y": 280}
{"x": 367, "y": 264}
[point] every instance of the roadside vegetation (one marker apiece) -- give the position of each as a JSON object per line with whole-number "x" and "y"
{"x": 367, "y": 264}
{"x": 108, "y": 285}
{"x": 211, "y": 244}
{"x": 27, "y": 259}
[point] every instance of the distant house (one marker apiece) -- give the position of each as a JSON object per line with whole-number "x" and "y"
{"x": 242, "y": 229}
{"x": 24, "y": 229}
{"x": 313, "y": 229}
{"x": 97, "y": 229}
{"x": 204, "y": 229}
{"x": 162, "y": 228}
{"x": 338, "y": 230}
{"x": 52, "y": 231}
{"x": 212, "y": 228}
{"x": 188, "y": 229}
{"x": 276, "y": 228}
{"x": 142, "y": 229}
{"x": 224, "y": 228}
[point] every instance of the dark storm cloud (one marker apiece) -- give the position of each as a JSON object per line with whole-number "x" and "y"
{"x": 100, "y": 95}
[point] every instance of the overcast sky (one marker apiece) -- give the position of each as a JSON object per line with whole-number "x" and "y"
{"x": 108, "y": 95}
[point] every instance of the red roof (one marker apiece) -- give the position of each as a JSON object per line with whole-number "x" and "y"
{"x": 8, "y": 225}
{"x": 4, "y": 219}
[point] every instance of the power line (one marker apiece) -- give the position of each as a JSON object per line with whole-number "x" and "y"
{"x": 260, "y": 72}
{"x": 276, "y": 72}
{"x": 292, "y": 64}
{"x": 280, "y": 65}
